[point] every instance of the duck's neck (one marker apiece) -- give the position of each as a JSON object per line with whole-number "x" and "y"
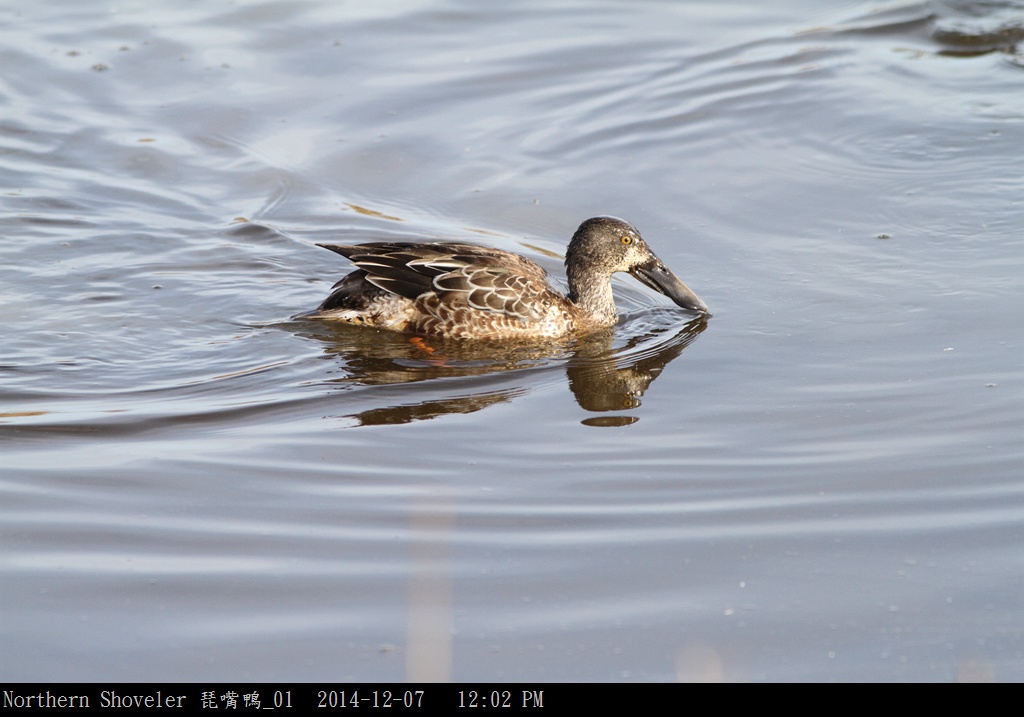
{"x": 592, "y": 292}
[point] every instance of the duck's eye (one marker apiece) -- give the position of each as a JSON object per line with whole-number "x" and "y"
{"x": 627, "y": 239}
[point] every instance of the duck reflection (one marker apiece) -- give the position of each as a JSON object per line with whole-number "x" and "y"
{"x": 609, "y": 370}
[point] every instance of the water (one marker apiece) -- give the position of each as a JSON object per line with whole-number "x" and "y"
{"x": 823, "y": 482}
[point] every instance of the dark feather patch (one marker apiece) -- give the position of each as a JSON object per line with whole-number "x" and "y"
{"x": 468, "y": 277}
{"x": 396, "y": 285}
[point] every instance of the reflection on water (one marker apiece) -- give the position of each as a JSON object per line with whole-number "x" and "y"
{"x": 949, "y": 28}
{"x": 606, "y": 379}
{"x": 967, "y": 28}
{"x": 608, "y": 370}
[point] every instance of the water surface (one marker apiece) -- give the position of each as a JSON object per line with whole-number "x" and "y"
{"x": 825, "y": 481}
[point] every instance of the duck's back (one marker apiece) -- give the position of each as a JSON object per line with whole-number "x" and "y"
{"x": 446, "y": 289}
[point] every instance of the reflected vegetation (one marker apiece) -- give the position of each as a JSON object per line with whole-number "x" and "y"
{"x": 607, "y": 371}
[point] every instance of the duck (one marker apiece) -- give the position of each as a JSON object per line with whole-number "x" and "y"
{"x": 467, "y": 291}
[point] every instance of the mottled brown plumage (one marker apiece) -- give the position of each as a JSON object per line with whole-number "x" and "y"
{"x": 468, "y": 291}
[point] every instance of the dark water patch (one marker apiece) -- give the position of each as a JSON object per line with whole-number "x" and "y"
{"x": 950, "y": 28}
{"x": 972, "y": 29}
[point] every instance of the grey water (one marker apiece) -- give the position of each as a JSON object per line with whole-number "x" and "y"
{"x": 824, "y": 481}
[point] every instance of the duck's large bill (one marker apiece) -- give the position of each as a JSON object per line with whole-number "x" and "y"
{"x": 660, "y": 278}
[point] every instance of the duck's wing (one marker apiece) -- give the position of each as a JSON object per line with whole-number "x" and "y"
{"x": 477, "y": 277}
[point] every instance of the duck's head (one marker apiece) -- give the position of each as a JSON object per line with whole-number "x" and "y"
{"x": 603, "y": 246}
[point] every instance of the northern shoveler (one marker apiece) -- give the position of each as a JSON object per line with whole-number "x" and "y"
{"x": 465, "y": 291}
